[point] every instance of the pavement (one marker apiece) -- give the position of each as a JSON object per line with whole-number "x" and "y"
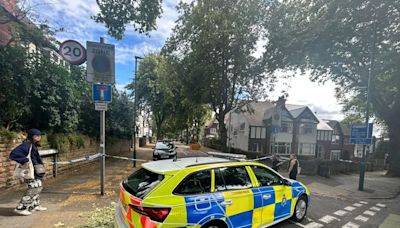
{"x": 70, "y": 196}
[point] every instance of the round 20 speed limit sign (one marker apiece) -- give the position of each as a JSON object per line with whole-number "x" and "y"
{"x": 73, "y": 52}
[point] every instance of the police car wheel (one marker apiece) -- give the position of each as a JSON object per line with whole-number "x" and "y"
{"x": 300, "y": 210}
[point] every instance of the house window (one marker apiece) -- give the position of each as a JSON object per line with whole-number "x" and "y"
{"x": 213, "y": 130}
{"x": 242, "y": 126}
{"x": 286, "y": 127}
{"x": 307, "y": 128}
{"x": 257, "y": 147}
{"x": 281, "y": 148}
{"x": 320, "y": 151}
{"x": 253, "y": 132}
{"x": 335, "y": 139}
{"x": 306, "y": 149}
{"x": 335, "y": 155}
{"x": 257, "y": 132}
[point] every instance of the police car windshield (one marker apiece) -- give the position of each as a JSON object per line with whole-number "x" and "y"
{"x": 141, "y": 182}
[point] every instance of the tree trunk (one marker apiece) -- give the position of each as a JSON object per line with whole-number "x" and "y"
{"x": 394, "y": 149}
{"x": 187, "y": 135}
{"x": 222, "y": 132}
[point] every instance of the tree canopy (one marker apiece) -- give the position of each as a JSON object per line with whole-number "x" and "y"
{"x": 117, "y": 14}
{"x": 342, "y": 41}
{"x": 215, "y": 42}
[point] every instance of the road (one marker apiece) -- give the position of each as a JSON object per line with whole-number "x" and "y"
{"x": 332, "y": 212}
{"x": 72, "y": 194}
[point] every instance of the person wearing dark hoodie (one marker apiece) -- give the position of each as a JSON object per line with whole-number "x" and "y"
{"x": 30, "y": 200}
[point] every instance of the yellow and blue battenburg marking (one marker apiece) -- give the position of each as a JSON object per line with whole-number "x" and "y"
{"x": 265, "y": 205}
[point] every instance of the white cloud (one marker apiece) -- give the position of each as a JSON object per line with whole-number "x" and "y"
{"x": 301, "y": 90}
{"x": 121, "y": 87}
{"x": 125, "y": 54}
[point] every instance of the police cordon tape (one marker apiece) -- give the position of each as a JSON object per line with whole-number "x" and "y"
{"x": 125, "y": 158}
{"x": 98, "y": 155}
{"x": 91, "y": 158}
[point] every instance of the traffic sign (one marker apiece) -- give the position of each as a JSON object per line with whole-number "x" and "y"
{"x": 100, "y": 62}
{"x": 100, "y": 106}
{"x": 73, "y": 52}
{"x": 102, "y": 93}
{"x": 361, "y": 134}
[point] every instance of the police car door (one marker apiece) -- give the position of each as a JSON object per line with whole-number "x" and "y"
{"x": 235, "y": 185}
{"x": 273, "y": 197}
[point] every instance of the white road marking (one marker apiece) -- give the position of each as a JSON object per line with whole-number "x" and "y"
{"x": 349, "y": 208}
{"x": 370, "y": 213}
{"x": 381, "y": 205}
{"x": 328, "y": 219}
{"x": 350, "y": 225}
{"x": 313, "y": 225}
{"x": 361, "y": 218}
{"x": 363, "y": 202}
{"x": 375, "y": 208}
{"x": 309, "y": 219}
{"x": 309, "y": 225}
{"x": 357, "y": 204}
{"x": 340, "y": 212}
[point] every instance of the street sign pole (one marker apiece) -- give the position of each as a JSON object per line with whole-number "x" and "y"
{"x": 102, "y": 144}
{"x": 134, "y": 112}
{"x": 371, "y": 69}
{"x": 103, "y": 150}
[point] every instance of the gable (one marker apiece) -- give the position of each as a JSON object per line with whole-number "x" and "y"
{"x": 308, "y": 115}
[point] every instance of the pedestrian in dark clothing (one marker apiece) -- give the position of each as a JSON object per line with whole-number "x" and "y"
{"x": 293, "y": 165}
{"x": 30, "y": 200}
{"x": 276, "y": 163}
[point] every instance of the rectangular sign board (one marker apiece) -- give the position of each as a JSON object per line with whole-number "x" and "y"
{"x": 100, "y": 106}
{"x": 100, "y": 62}
{"x": 361, "y": 134}
{"x": 102, "y": 93}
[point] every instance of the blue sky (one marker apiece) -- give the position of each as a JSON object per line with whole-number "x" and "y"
{"x": 74, "y": 17}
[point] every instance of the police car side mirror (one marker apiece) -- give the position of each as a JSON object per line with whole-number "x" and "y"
{"x": 286, "y": 182}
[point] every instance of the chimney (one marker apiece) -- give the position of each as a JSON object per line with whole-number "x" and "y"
{"x": 281, "y": 101}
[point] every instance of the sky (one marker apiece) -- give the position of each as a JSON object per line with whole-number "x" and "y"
{"x": 74, "y": 17}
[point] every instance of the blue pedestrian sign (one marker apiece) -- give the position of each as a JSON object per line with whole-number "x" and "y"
{"x": 102, "y": 93}
{"x": 361, "y": 134}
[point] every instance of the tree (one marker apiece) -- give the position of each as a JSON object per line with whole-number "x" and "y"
{"x": 119, "y": 118}
{"x": 342, "y": 41}
{"x": 14, "y": 91}
{"x": 116, "y": 14}
{"x": 215, "y": 41}
{"x": 154, "y": 89}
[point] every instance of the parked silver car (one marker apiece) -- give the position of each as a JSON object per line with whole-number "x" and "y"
{"x": 164, "y": 150}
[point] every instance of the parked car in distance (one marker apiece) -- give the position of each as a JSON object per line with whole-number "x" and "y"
{"x": 208, "y": 192}
{"x": 164, "y": 150}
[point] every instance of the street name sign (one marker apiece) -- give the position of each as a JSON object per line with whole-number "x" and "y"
{"x": 100, "y": 62}
{"x": 100, "y": 106}
{"x": 73, "y": 52}
{"x": 361, "y": 134}
{"x": 102, "y": 93}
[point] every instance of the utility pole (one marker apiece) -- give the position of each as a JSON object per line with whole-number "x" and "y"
{"x": 134, "y": 112}
{"x": 370, "y": 72}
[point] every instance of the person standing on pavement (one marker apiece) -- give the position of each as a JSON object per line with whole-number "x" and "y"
{"x": 275, "y": 162}
{"x": 30, "y": 200}
{"x": 293, "y": 165}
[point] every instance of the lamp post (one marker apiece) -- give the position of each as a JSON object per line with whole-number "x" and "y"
{"x": 370, "y": 71}
{"x": 134, "y": 112}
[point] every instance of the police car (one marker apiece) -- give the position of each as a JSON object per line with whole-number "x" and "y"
{"x": 208, "y": 192}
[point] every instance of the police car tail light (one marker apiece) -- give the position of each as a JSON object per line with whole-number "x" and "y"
{"x": 154, "y": 213}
